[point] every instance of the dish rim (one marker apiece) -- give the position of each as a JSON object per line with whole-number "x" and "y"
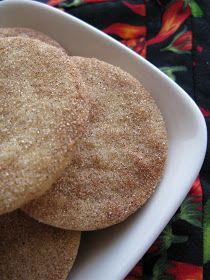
{"x": 186, "y": 98}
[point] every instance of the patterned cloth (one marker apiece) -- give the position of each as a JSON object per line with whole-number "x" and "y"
{"x": 173, "y": 35}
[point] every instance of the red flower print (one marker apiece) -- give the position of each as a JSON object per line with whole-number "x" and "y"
{"x": 54, "y": 2}
{"x": 205, "y": 112}
{"x": 154, "y": 247}
{"x": 182, "y": 43}
{"x": 199, "y": 48}
{"x": 136, "y": 8}
{"x": 196, "y": 194}
{"x": 173, "y": 17}
{"x": 136, "y": 272}
{"x": 137, "y": 45}
{"x": 186, "y": 271}
{"x": 196, "y": 188}
{"x": 126, "y": 31}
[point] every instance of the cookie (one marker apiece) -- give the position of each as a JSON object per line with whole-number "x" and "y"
{"x": 30, "y": 250}
{"x": 27, "y": 33}
{"x": 118, "y": 162}
{"x": 43, "y": 111}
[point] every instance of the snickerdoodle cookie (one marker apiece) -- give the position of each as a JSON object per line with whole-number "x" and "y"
{"x": 30, "y": 250}
{"x": 27, "y": 33}
{"x": 118, "y": 162}
{"x": 43, "y": 111}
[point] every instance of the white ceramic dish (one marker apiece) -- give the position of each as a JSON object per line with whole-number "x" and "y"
{"x": 111, "y": 253}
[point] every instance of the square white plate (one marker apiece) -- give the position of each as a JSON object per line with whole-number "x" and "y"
{"x": 111, "y": 253}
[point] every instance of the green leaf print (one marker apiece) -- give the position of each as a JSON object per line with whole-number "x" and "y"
{"x": 74, "y": 3}
{"x": 169, "y": 71}
{"x": 160, "y": 268}
{"x": 168, "y": 238}
{"x": 196, "y": 9}
{"x": 206, "y": 232}
{"x": 189, "y": 212}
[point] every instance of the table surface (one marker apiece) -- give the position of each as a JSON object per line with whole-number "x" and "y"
{"x": 173, "y": 35}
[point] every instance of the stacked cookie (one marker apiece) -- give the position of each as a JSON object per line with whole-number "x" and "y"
{"x": 83, "y": 146}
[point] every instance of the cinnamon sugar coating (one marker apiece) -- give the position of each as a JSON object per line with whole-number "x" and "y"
{"x": 118, "y": 162}
{"x": 43, "y": 111}
{"x": 30, "y": 250}
{"x": 27, "y": 33}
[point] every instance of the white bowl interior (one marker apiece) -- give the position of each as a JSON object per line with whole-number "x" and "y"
{"x": 111, "y": 253}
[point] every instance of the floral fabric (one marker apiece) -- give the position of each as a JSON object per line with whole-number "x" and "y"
{"x": 173, "y": 35}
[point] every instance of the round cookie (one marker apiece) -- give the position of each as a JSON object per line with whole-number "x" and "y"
{"x": 43, "y": 111}
{"x": 30, "y": 250}
{"x": 117, "y": 164}
{"x": 27, "y": 33}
